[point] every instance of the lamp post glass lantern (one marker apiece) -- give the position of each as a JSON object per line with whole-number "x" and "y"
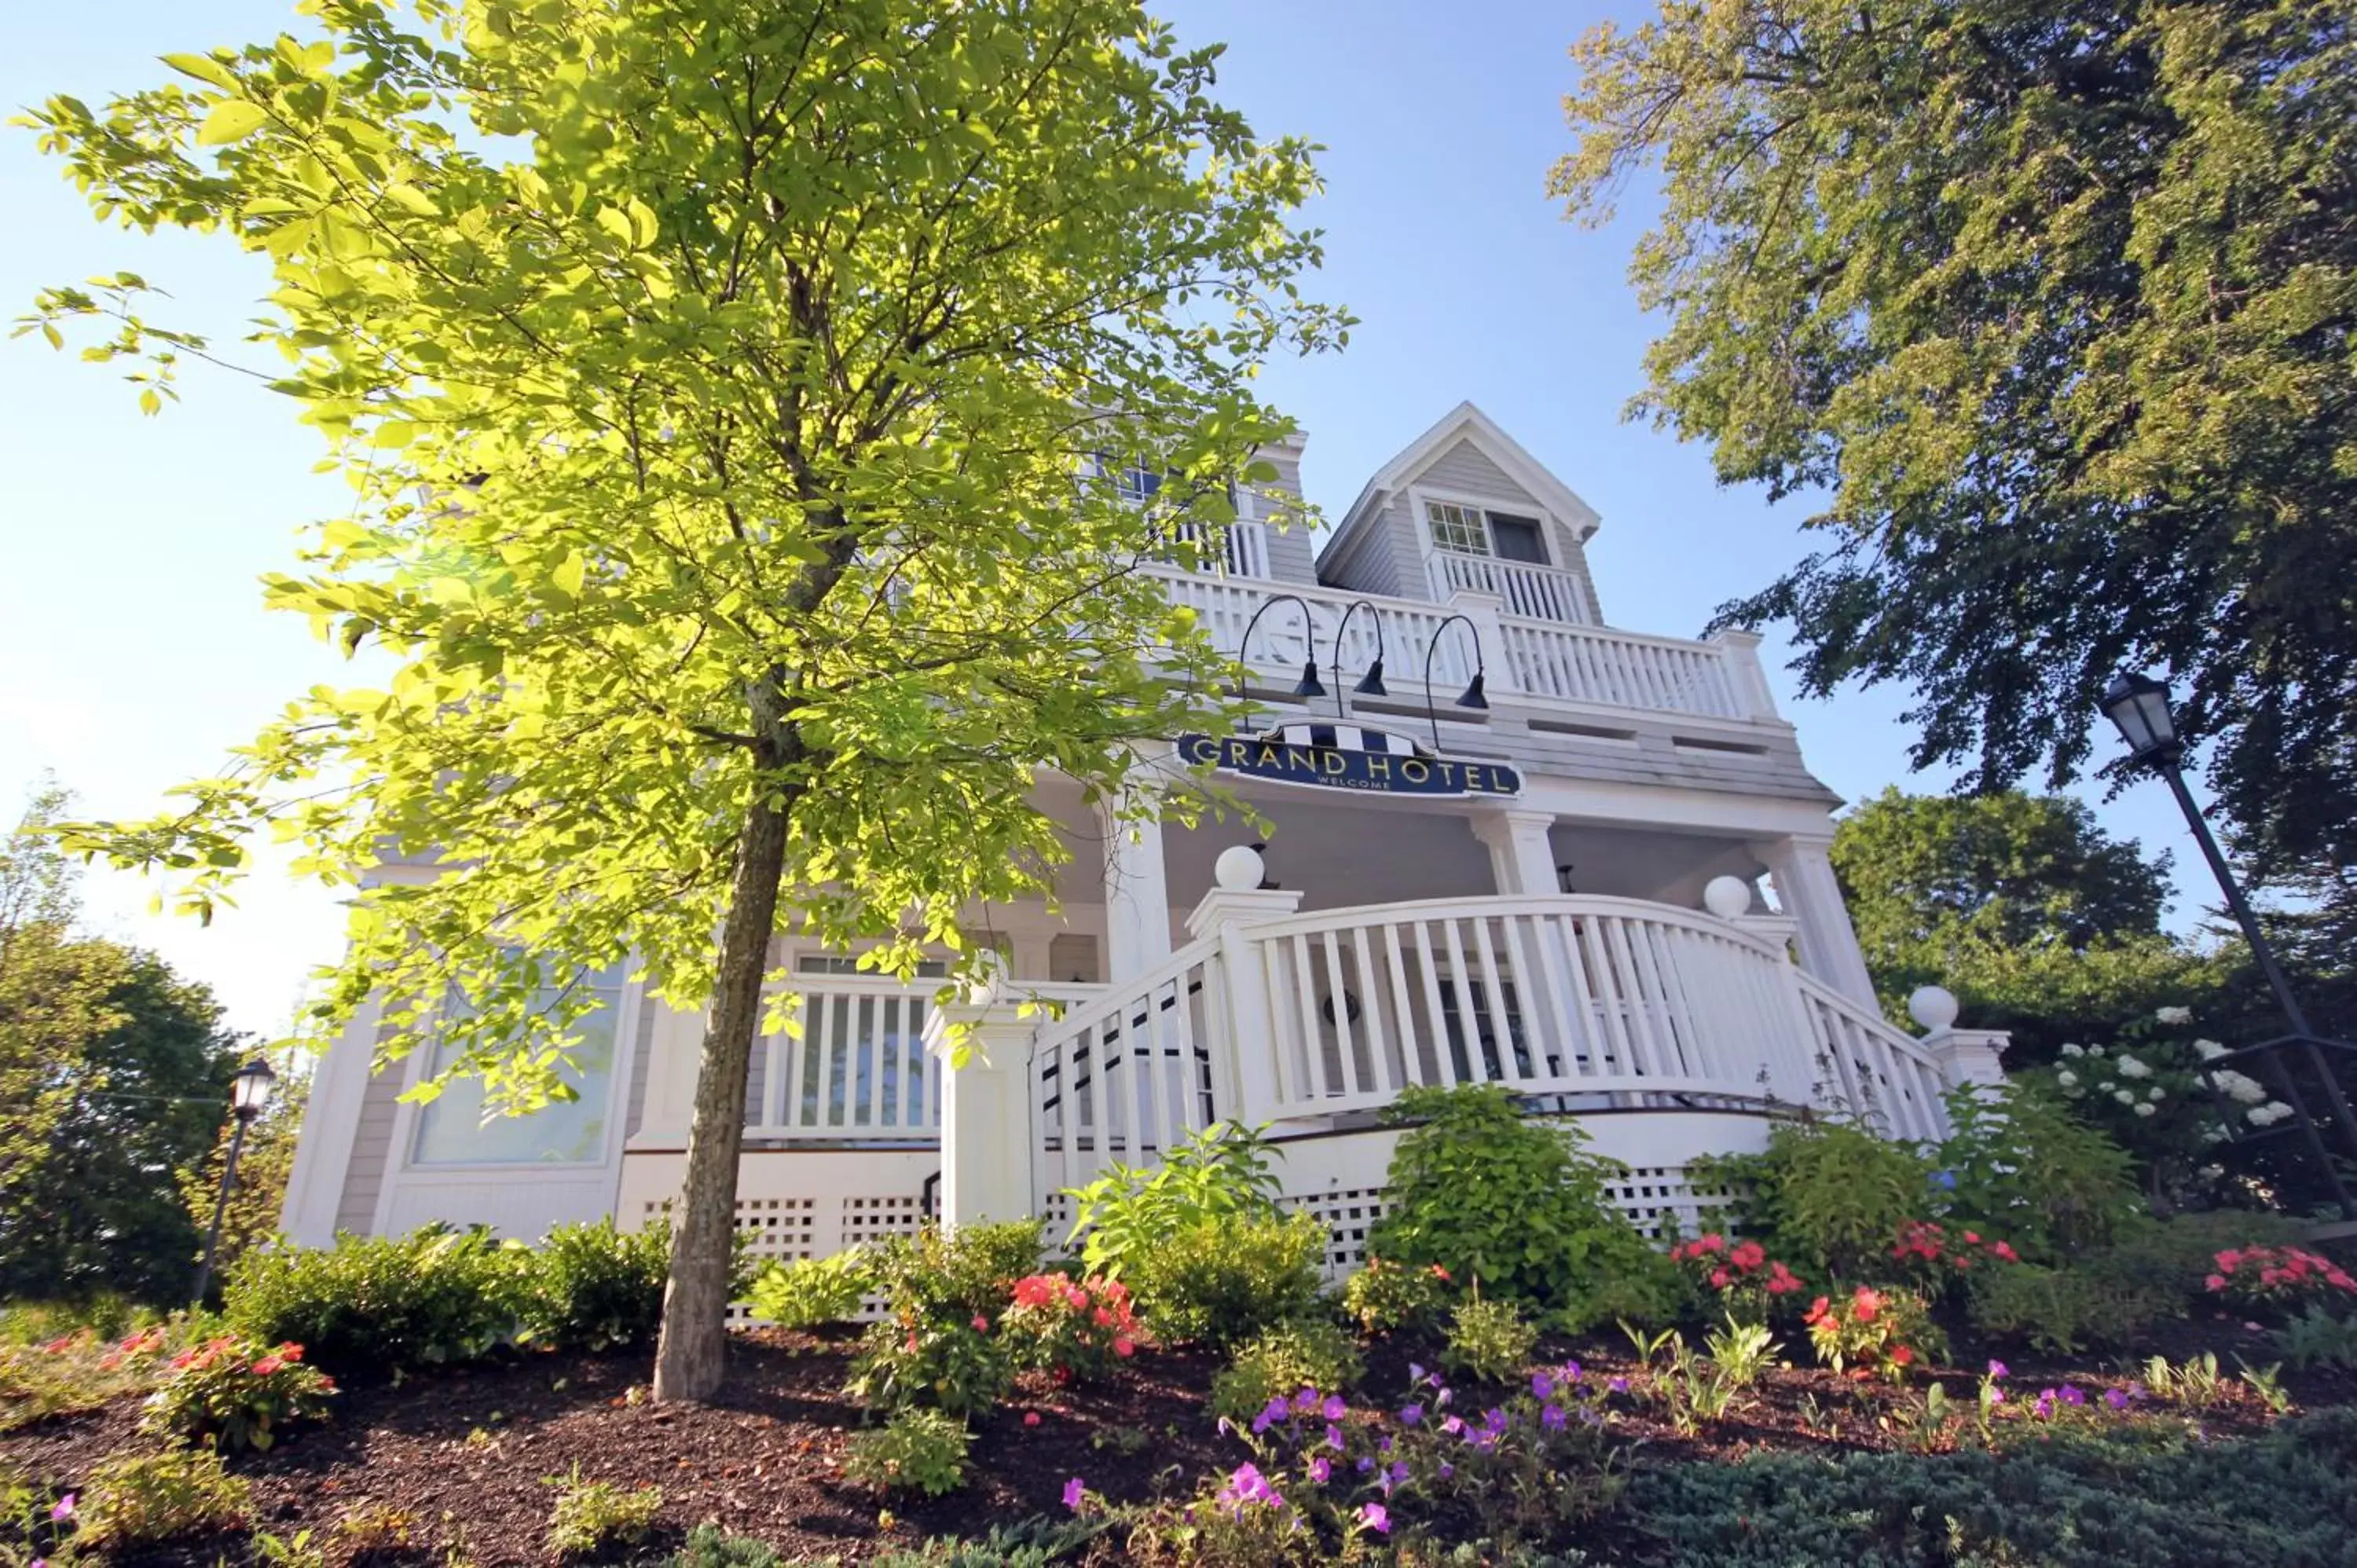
{"x": 2137, "y": 706}
{"x": 247, "y": 1093}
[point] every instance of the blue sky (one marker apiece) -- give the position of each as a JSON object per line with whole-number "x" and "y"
{"x": 134, "y": 651}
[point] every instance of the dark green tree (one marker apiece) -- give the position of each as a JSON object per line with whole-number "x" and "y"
{"x": 113, "y": 1075}
{"x": 2050, "y": 306}
{"x": 2039, "y": 921}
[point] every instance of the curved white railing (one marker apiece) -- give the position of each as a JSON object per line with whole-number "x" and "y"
{"x": 1128, "y": 1075}
{"x": 1601, "y": 1000}
{"x": 1622, "y": 670}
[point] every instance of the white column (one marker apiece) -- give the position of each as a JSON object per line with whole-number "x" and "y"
{"x": 1811, "y": 893}
{"x": 982, "y": 1049}
{"x": 675, "y": 1057}
{"x": 1521, "y": 857}
{"x": 323, "y": 1149}
{"x": 1245, "y": 1080}
{"x": 1746, "y": 680}
{"x": 1136, "y": 897}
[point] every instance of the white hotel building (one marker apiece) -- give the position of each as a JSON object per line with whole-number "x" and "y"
{"x": 1602, "y": 881}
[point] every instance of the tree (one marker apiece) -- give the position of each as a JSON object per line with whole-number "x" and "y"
{"x": 736, "y": 396}
{"x": 2052, "y": 303}
{"x": 112, "y": 1073}
{"x": 2041, "y": 922}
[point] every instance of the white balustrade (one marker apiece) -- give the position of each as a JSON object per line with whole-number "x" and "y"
{"x": 1622, "y": 670}
{"x": 1128, "y": 1075}
{"x": 1593, "y": 1002}
{"x": 1540, "y": 659}
{"x": 1224, "y": 607}
{"x": 1237, "y": 549}
{"x": 858, "y": 1069}
{"x": 1542, "y": 593}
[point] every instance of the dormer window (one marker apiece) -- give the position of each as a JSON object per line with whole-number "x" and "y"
{"x": 1474, "y": 531}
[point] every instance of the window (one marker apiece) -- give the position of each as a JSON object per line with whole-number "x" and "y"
{"x": 1470, "y": 530}
{"x": 453, "y": 1131}
{"x": 837, "y": 963}
{"x": 1457, "y": 528}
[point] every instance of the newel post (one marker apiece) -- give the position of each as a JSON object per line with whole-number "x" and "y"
{"x": 988, "y": 1142}
{"x": 1966, "y": 1056}
{"x": 1244, "y": 1085}
{"x": 1746, "y": 680}
{"x": 1486, "y": 612}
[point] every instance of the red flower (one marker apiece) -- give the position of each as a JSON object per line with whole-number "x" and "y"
{"x": 1866, "y": 1304}
{"x": 1718, "y": 1279}
{"x": 268, "y": 1365}
{"x": 1124, "y": 1347}
{"x": 1816, "y": 1309}
{"x": 1900, "y": 1354}
{"x": 1750, "y": 1255}
{"x": 2005, "y": 1250}
{"x": 2215, "y": 1281}
{"x": 1972, "y": 1237}
{"x": 1031, "y": 1418}
{"x": 1439, "y": 1273}
{"x": 981, "y": 1323}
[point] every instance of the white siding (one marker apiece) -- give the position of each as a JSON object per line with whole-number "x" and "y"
{"x": 371, "y": 1148}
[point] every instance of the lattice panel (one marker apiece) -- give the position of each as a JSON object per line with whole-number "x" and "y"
{"x": 869, "y": 1219}
{"x": 778, "y": 1228}
{"x": 1659, "y": 1197}
{"x": 1347, "y": 1213}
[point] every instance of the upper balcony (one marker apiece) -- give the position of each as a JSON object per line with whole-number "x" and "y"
{"x": 1522, "y": 629}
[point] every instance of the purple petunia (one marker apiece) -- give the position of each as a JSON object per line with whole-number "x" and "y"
{"x": 1306, "y": 1400}
{"x": 1452, "y": 1426}
{"x": 1551, "y": 1417}
{"x": 1617, "y": 1386}
{"x": 1335, "y": 1408}
{"x": 1073, "y": 1493}
{"x": 1998, "y": 1370}
{"x": 1541, "y": 1386}
{"x": 1496, "y": 1420}
{"x": 2117, "y": 1399}
{"x": 1334, "y": 1438}
{"x": 1247, "y": 1485}
{"x": 1415, "y": 1373}
{"x": 1321, "y": 1470}
{"x": 1272, "y": 1412}
{"x": 2071, "y": 1395}
{"x": 1375, "y": 1518}
{"x": 1410, "y": 1415}
{"x": 1446, "y": 1469}
{"x": 64, "y": 1509}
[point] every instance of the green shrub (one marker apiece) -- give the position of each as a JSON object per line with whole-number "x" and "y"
{"x": 236, "y": 1394}
{"x": 952, "y": 1277}
{"x": 592, "y": 1287}
{"x": 1828, "y": 1197}
{"x": 1513, "y": 1203}
{"x": 368, "y": 1307}
{"x": 2066, "y": 1500}
{"x": 2023, "y": 1167}
{"x": 1033, "y": 1543}
{"x": 136, "y": 1498}
{"x": 1384, "y": 1297}
{"x": 1489, "y": 1340}
{"x": 917, "y": 1450}
{"x": 954, "y": 1367}
{"x": 2319, "y": 1338}
{"x": 1225, "y": 1280}
{"x": 589, "y": 1516}
{"x": 2106, "y": 1298}
{"x": 809, "y": 1292}
{"x": 1646, "y": 1290}
{"x": 709, "y": 1546}
{"x": 1313, "y": 1354}
{"x": 1129, "y": 1212}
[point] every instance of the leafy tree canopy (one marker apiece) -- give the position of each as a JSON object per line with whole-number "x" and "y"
{"x": 114, "y": 1074}
{"x": 2052, "y": 303}
{"x": 718, "y": 382}
{"x": 2039, "y": 921}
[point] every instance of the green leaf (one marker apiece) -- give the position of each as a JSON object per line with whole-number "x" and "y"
{"x": 205, "y": 68}
{"x": 231, "y": 120}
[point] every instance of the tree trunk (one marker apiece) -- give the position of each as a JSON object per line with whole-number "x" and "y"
{"x": 690, "y": 1354}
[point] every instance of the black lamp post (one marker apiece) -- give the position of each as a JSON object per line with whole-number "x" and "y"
{"x": 1475, "y": 696}
{"x": 1308, "y": 685}
{"x": 248, "y": 1090}
{"x": 1371, "y": 684}
{"x": 2137, "y": 706}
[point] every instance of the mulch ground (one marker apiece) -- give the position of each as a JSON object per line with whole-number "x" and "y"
{"x": 461, "y": 1460}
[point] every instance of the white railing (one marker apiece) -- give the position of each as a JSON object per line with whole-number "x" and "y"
{"x": 858, "y": 1070}
{"x": 1600, "y": 1001}
{"x": 1237, "y": 549}
{"x": 1128, "y": 1075}
{"x": 1538, "y": 659}
{"x": 1865, "y": 1064}
{"x": 1542, "y": 593}
{"x": 1225, "y": 608}
{"x": 1622, "y": 670}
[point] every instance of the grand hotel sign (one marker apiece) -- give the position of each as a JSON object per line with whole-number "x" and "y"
{"x": 1347, "y": 757}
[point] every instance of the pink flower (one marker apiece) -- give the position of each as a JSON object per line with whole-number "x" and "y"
{"x": 2215, "y": 1281}
{"x": 1375, "y": 1517}
{"x": 64, "y": 1509}
{"x": 1074, "y": 1493}
{"x": 1031, "y": 1418}
{"x": 981, "y": 1323}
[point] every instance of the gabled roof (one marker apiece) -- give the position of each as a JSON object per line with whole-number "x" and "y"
{"x": 1467, "y": 423}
